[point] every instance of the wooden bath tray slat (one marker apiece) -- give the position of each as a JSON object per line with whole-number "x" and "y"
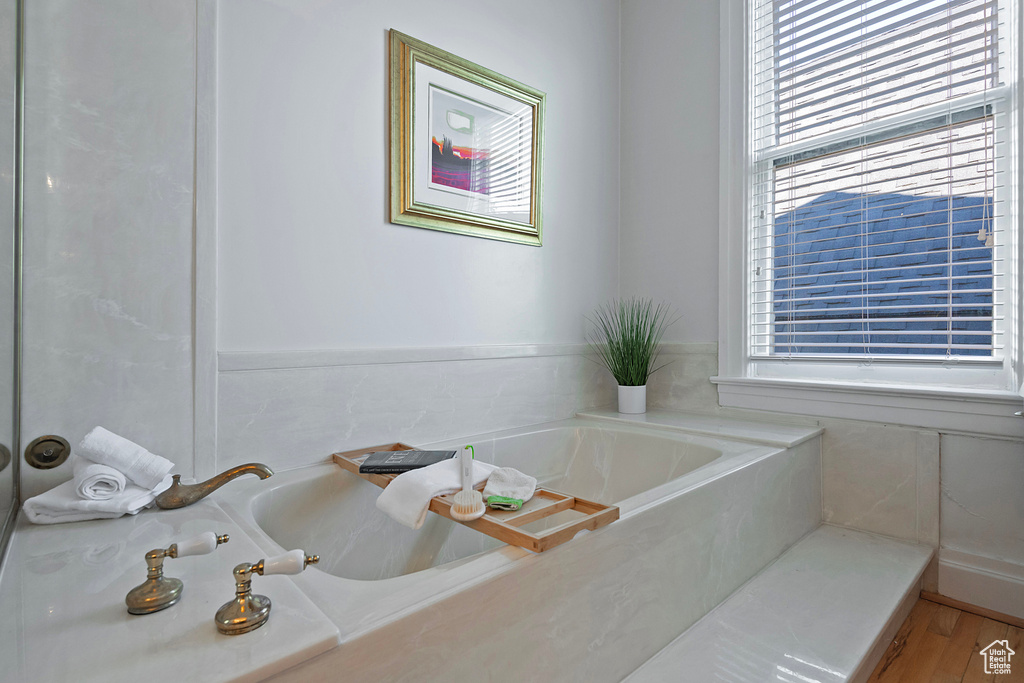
{"x": 504, "y": 525}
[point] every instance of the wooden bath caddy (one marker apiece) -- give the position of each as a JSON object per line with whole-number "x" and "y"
{"x": 504, "y": 525}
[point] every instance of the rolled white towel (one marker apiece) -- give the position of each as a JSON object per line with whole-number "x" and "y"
{"x": 62, "y": 504}
{"x": 94, "y": 481}
{"x": 407, "y": 498}
{"x": 144, "y": 469}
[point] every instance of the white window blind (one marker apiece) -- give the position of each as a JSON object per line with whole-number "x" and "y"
{"x": 879, "y": 184}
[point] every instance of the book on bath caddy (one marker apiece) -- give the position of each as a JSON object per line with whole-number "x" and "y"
{"x": 394, "y": 462}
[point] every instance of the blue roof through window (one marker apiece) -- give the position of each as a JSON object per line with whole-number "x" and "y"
{"x": 863, "y": 273}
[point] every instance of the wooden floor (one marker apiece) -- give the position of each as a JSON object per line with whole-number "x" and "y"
{"x": 940, "y": 644}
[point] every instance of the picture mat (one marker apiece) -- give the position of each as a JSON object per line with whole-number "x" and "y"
{"x": 515, "y": 169}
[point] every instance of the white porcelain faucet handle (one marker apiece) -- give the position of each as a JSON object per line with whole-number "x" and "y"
{"x": 200, "y": 545}
{"x": 292, "y": 562}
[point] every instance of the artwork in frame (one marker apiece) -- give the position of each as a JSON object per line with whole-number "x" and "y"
{"x": 466, "y": 146}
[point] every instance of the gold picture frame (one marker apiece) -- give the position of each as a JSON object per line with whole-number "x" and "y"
{"x": 466, "y": 146}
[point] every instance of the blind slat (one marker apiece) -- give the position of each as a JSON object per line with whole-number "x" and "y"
{"x": 923, "y": 21}
{"x": 879, "y": 105}
{"x": 807, "y": 99}
{"x": 878, "y": 284}
{"x": 886, "y": 59}
{"x": 789, "y": 30}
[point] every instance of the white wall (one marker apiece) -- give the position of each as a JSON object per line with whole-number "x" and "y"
{"x": 308, "y": 259}
{"x": 290, "y": 416}
{"x": 982, "y": 554}
{"x": 310, "y": 269}
{"x": 109, "y": 112}
{"x": 669, "y": 203}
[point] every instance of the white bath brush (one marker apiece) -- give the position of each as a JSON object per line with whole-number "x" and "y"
{"x": 469, "y": 503}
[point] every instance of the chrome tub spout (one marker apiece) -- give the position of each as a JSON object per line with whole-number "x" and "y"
{"x": 179, "y": 495}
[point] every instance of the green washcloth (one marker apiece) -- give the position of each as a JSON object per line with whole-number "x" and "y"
{"x": 503, "y": 503}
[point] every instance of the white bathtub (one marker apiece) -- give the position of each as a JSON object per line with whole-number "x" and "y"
{"x": 699, "y": 516}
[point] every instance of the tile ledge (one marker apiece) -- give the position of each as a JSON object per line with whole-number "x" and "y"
{"x": 781, "y": 435}
{"x": 240, "y": 361}
{"x": 963, "y": 411}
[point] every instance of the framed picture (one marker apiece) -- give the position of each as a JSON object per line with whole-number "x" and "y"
{"x": 466, "y": 146}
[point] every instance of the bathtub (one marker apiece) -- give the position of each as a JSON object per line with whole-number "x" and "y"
{"x": 699, "y": 516}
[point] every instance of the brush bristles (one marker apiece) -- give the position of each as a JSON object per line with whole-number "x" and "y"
{"x": 468, "y": 505}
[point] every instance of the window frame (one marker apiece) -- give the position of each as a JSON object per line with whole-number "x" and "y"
{"x": 973, "y": 396}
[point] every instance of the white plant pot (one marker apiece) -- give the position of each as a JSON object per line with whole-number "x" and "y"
{"x": 633, "y": 400}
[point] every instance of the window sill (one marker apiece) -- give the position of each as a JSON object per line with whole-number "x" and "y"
{"x": 968, "y": 411}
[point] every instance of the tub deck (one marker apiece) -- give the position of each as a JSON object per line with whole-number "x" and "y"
{"x": 700, "y": 515}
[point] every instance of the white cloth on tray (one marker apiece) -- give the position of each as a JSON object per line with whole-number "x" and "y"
{"x": 407, "y": 498}
{"x": 510, "y": 483}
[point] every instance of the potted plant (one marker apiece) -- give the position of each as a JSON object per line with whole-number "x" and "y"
{"x": 625, "y": 336}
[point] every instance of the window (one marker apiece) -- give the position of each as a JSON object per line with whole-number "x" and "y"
{"x": 870, "y": 220}
{"x": 880, "y": 188}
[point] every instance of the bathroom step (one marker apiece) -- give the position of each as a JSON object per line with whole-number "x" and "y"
{"x": 824, "y": 611}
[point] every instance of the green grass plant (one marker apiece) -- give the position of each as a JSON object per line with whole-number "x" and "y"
{"x": 626, "y": 335}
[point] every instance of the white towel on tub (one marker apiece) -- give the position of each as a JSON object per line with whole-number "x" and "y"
{"x": 94, "y": 481}
{"x": 62, "y": 504}
{"x": 144, "y": 469}
{"x": 407, "y": 498}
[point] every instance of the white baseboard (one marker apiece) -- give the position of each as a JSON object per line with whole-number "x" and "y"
{"x": 982, "y": 581}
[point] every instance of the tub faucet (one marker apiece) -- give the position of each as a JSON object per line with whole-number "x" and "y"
{"x": 179, "y": 495}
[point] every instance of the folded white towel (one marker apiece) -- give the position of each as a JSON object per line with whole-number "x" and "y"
{"x": 94, "y": 481}
{"x": 142, "y": 468}
{"x": 510, "y": 483}
{"x": 62, "y": 504}
{"x": 407, "y": 498}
